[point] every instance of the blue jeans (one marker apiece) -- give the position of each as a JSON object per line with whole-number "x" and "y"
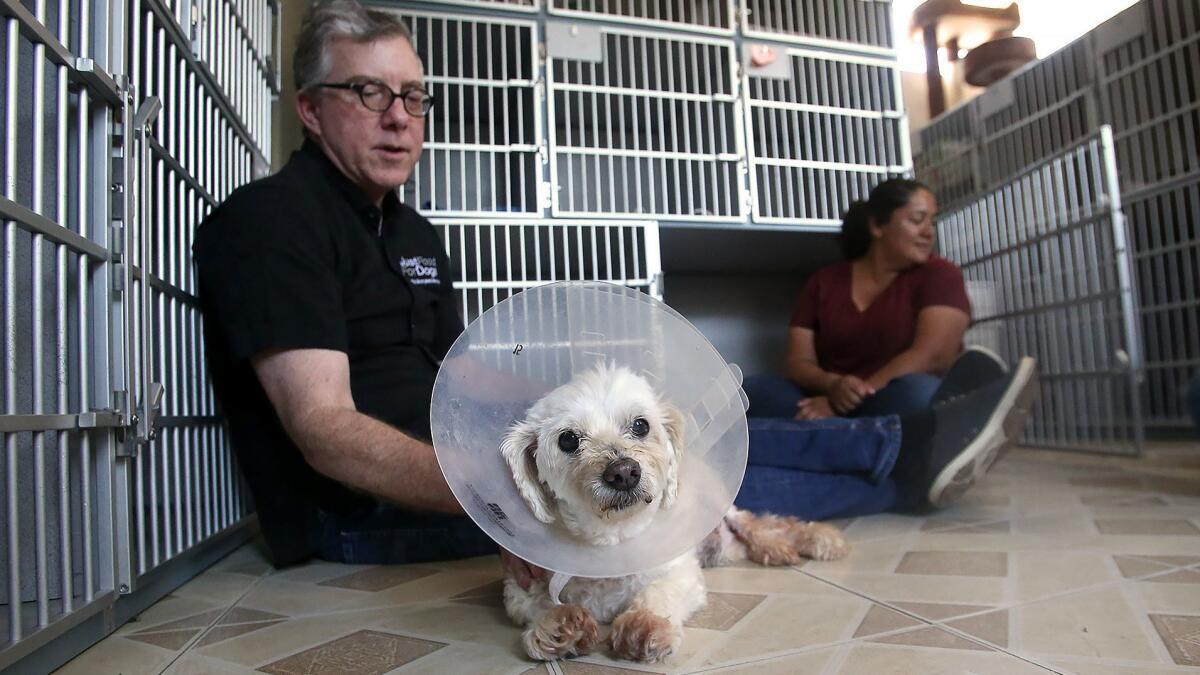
{"x": 1194, "y": 400}
{"x": 816, "y": 470}
{"x": 393, "y": 536}
{"x": 776, "y": 396}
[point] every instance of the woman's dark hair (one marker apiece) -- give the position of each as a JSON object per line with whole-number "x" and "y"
{"x": 884, "y": 200}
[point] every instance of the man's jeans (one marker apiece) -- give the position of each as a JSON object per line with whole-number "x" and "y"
{"x": 816, "y": 470}
{"x": 776, "y": 396}
{"x": 391, "y": 536}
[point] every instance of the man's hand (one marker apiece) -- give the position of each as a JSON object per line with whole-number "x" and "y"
{"x": 523, "y": 572}
{"x": 848, "y": 393}
{"x": 815, "y": 408}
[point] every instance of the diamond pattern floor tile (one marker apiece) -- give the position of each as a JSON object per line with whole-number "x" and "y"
{"x": 362, "y": 653}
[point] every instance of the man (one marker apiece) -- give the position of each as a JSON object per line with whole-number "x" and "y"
{"x": 328, "y": 308}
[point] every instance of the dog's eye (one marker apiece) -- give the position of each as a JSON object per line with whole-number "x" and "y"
{"x": 568, "y": 441}
{"x": 640, "y": 427}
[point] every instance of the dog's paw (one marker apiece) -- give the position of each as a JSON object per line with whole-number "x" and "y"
{"x": 821, "y": 541}
{"x": 562, "y": 632}
{"x": 641, "y": 635}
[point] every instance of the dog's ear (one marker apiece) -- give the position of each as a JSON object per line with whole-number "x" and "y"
{"x": 518, "y": 449}
{"x": 674, "y": 421}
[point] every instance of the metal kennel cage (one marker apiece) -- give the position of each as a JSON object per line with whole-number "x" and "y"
{"x": 643, "y": 124}
{"x": 483, "y": 139}
{"x": 711, "y": 16}
{"x": 496, "y": 259}
{"x": 823, "y": 129}
{"x": 860, "y": 25}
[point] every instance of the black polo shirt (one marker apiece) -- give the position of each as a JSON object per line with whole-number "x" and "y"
{"x": 303, "y": 260}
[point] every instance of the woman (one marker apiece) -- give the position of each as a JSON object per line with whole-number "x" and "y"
{"x": 871, "y": 334}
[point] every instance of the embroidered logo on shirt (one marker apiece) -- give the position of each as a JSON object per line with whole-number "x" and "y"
{"x": 420, "y": 270}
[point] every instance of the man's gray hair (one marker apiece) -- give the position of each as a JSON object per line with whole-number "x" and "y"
{"x": 328, "y": 20}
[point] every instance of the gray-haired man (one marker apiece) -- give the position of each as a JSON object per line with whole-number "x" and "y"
{"x": 328, "y": 308}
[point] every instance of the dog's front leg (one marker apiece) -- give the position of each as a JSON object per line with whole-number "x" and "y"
{"x": 651, "y": 629}
{"x": 561, "y": 632}
{"x": 552, "y": 631}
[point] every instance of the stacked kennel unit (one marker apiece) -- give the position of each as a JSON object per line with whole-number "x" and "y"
{"x": 1138, "y": 73}
{"x": 124, "y": 124}
{"x": 567, "y": 132}
{"x": 824, "y": 130}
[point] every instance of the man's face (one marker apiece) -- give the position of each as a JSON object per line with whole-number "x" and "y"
{"x": 376, "y": 150}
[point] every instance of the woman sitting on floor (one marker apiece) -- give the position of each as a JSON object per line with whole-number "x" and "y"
{"x": 872, "y": 334}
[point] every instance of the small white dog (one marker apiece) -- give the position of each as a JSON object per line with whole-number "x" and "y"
{"x": 601, "y": 454}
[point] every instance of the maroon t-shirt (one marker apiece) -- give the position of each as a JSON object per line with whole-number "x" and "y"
{"x": 850, "y": 342}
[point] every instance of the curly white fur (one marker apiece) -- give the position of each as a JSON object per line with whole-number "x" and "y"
{"x": 604, "y": 410}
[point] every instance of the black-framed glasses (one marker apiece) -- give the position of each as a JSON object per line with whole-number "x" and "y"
{"x": 378, "y": 97}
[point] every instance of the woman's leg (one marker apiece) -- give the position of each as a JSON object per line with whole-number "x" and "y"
{"x": 814, "y": 496}
{"x": 904, "y": 395}
{"x": 772, "y": 396}
{"x": 821, "y": 469}
{"x": 865, "y": 448}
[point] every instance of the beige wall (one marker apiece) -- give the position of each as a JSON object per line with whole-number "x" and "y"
{"x": 916, "y": 99}
{"x": 916, "y": 93}
{"x": 286, "y": 131}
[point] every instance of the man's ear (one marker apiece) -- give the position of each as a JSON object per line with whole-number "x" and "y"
{"x": 306, "y": 110}
{"x": 673, "y": 419}
{"x": 518, "y": 448}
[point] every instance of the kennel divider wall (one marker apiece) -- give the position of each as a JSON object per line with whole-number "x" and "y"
{"x": 1049, "y": 268}
{"x": 1139, "y": 73}
{"x": 125, "y": 123}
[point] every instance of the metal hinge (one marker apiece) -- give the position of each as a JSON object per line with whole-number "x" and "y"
{"x": 116, "y": 190}
{"x": 117, "y": 247}
{"x": 138, "y": 429}
{"x": 121, "y": 403}
{"x": 144, "y": 427}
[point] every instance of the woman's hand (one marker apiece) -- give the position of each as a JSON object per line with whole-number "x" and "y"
{"x": 815, "y": 408}
{"x": 848, "y": 393}
{"x": 522, "y": 572}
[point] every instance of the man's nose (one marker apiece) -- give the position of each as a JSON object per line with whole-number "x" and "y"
{"x": 396, "y": 115}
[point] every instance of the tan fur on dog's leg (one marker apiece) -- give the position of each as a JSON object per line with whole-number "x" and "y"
{"x": 783, "y": 540}
{"x": 820, "y": 541}
{"x": 563, "y": 631}
{"x": 641, "y": 635}
{"x": 769, "y": 539}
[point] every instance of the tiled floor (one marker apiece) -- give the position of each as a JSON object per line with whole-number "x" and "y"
{"x": 1055, "y": 563}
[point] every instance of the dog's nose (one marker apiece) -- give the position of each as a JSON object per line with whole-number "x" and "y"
{"x": 623, "y": 474}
